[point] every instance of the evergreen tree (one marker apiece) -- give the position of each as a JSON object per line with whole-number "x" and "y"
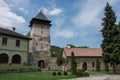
{"x": 73, "y": 64}
{"x": 109, "y": 33}
{"x": 106, "y": 67}
{"x": 97, "y": 65}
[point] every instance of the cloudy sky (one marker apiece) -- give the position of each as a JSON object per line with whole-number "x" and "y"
{"x": 75, "y": 22}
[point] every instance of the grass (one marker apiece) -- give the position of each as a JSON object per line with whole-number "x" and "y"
{"x": 17, "y": 67}
{"x": 34, "y": 76}
{"x": 102, "y": 72}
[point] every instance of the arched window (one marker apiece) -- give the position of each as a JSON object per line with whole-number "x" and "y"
{"x": 16, "y": 59}
{"x": 3, "y": 58}
{"x": 84, "y": 66}
{"x": 93, "y": 64}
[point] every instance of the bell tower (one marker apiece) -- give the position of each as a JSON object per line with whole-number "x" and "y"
{"x": 39, "y": 46}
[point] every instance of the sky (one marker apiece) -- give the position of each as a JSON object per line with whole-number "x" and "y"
{"x": 76, "y": 22}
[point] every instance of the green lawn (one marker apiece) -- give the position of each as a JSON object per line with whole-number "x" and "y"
{"x": 102, "y": 72}
{"x": 34, "y": 76}
{"x": 17, "y": 67}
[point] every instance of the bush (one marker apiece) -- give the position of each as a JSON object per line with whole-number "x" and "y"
{"x": 53, "y": 73}
{"x": 59, "y": 73}
{"x": 85, "y": 74}
{"x": 106, "y": 67}
{"x": 65, "y": 73}
{"x": 80, "y": 70}
{"x": 81, "y": 73}
{"x": 24, "y": 64}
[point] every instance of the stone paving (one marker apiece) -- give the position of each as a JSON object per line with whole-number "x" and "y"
{"x": 99, "y": 77}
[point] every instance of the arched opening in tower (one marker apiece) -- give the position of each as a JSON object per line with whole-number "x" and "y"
{"x": 41, "y": 64}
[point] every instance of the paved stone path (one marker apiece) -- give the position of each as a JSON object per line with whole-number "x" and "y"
{"x": 99, "y": 77}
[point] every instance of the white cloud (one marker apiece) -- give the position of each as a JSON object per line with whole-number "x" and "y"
{"x": 8, "y": 18}
{"x": 65, "y": 33}
{"x": 23, "y": 10}
{"x": 54, "y": 11}
{"x": 89, "y": 14}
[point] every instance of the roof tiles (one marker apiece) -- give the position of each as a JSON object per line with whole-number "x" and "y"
{"x": 83, "y": 52}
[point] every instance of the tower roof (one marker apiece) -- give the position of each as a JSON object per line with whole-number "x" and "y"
{"x": 41, "y": 16}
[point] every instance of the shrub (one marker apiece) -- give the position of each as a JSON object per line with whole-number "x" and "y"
{"x": 81, "y": 73}
{"x": 80, "y": 70}
{"x": 59, "y": 73}
{"x": 85, "y": 74}
{"x": 65, "y": 73}
{"x": 53, "y": 73}
{"x": 24, "y": 64}
{"x": 106, "y": 67}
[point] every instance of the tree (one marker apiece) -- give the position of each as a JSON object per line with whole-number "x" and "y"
{"x": 74, "y": 46}
{"x": 106, "y": 67}
{"x": 73, "y": 64}
{"x": 97, "y": 65}
{"x": 59, "y": 60}
{"x": 109, "y": 32}
{"x": 28, "y": 34}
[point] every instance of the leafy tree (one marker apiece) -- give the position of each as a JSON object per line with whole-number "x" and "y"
{"x": 28, "y": 34}
{"x": 97, "y": 65}
{"x": 73, "y": 64}
{"x": 73, "y": 46}
{"x": 109, "y": 32}
{"x": 59, "y": 60}
{"x": 55, "y": 51}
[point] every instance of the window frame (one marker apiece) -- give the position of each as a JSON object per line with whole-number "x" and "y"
{"x": 17, "y": 43}
{"x": 4, "y": 41}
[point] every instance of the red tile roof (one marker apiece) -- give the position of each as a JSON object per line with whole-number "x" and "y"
{"x": 83, "y": 52}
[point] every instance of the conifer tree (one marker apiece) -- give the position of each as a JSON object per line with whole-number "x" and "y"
{"x": 109, "y": 32}
{"x": 73, "y": 64}
{"x": 97, "y": 65}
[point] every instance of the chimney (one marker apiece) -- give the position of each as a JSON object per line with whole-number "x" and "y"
{"x": 68, "y": 45}
{"x": 13, "y": 28}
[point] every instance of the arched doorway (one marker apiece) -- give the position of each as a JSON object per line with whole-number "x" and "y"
{"x": 3, "y": 58}
{"x": 84, "y": 66}
{"x": 16, "y": 59}
{"x": 41, "y": 64}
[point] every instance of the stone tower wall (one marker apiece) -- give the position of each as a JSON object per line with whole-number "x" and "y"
{"x": 40, "y": 43}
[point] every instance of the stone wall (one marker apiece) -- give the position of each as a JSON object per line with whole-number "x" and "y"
{"x": 18, "y": 70}
{"x": 40, "y": 44}
{"x": 53, "y": 64}
{"x": 91, "y": 63}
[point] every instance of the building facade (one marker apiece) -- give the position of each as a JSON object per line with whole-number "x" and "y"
{"x": 40, "y": 44}
{"x": 13, "y": 47}
{"x": 88, "y": 56}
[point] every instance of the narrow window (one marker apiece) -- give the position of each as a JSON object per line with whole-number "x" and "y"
{"x": 18, "y": 43}
{"x": 4, "y": 41}
{"x": 93, "y": 64}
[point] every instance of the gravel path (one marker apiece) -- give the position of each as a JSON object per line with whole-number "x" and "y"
{"x": 99, "y": 77}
